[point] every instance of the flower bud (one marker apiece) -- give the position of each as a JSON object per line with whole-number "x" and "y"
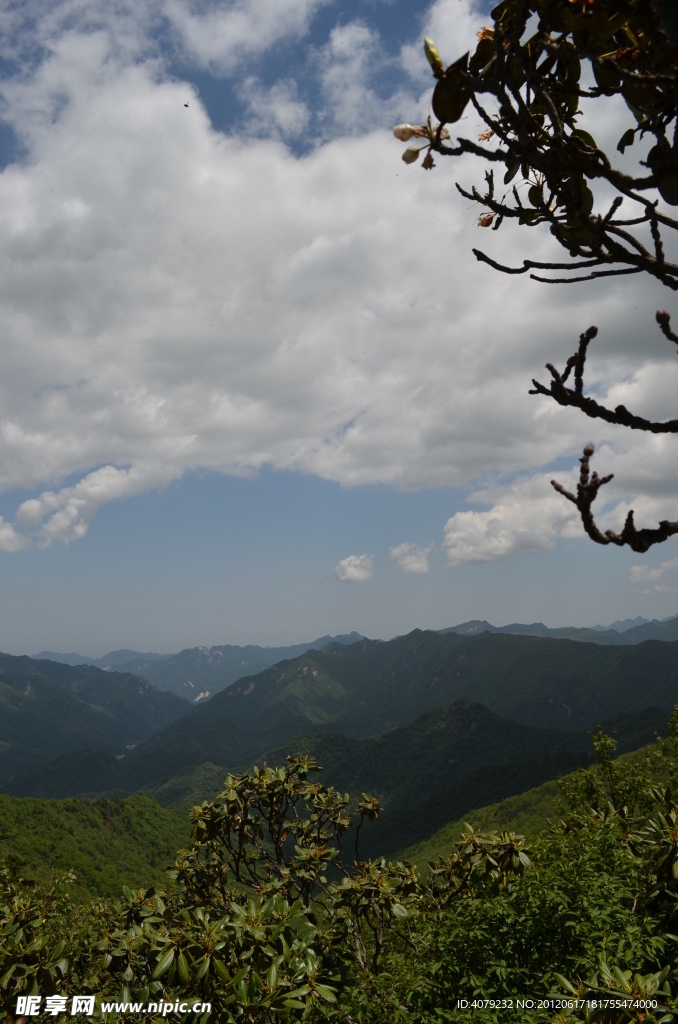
{"x": 405, "y": 132}
{"x": 433, "y": 57}
{"x": 411, "y": 155}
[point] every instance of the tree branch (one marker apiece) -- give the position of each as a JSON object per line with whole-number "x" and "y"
{"x": 575, "y": 397}
{"x": 587, "y": 492}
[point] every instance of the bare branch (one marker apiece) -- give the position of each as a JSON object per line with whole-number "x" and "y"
{"x": 664, "y": 321}
{"x": 534, "y": 264}
{"x": 575, "y": 397}
{"x": 587, "y": 492}
{"x": 587, "y": 277}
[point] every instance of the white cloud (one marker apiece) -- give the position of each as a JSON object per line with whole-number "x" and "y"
{"x": 10, "y": 540}
{"x": 410, "y": 557}
{"x": 355, "y": 569}
{"x": 276, "y": 110}
{"x": 350, "y": 65}
{"x": 224, "y": 37}
{"x": 172, "y": 298}
{"x": 66, "y": 515}
{"x": 650, "y": 574}
{"x": 527, "y": 518}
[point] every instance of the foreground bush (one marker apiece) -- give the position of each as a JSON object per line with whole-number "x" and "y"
{"x": 268, "y": 918}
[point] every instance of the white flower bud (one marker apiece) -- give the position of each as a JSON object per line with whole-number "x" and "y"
{"x": 411, "y": 154}
{"x": 405, "y": 132}
{"x": 433, "y": 57}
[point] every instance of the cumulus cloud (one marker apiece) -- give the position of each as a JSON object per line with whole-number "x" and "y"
{"x": 641, "y": 574}
{"x": 175, "y": 298}
{"x": 66, "y": 515}
{"x": 350, "y": 65}
{"x": 223, "y": 38}
{"x": 276, "y": 110}
{"x": 410, "y": 557}
{"x": 10, "y": 539}
{"x": 528, "y": 516}
{"x": 355, "y": 569}
{"x": 526, "y": 519}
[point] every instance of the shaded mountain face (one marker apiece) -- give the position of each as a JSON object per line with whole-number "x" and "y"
{"x": 370, "y": 687}
{"x": 626, "y": 631}
{"x": 413, "y": 761}
{"x": 425, "y": 774}
{"x": 48, "y": 708}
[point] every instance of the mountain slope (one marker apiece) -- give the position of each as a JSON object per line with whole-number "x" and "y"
{"x": 371, "y": 686}
{"x": 47, "y": 708}
{"x": 410, "y": 763}
{"x": 107, "y": 843}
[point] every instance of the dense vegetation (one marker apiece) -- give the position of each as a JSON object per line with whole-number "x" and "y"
{"x": 271, "y": 915}
{"x": 107, "y": 843}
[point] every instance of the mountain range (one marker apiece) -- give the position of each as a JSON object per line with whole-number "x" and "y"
{"x": 434, "y": 723}
{"x": 325, "y": 701}
{"x": 624, "y": 632}
{"x": 197, "y": 673}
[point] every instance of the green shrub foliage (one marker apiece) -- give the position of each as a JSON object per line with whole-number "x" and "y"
{"x": 271, "y": 914}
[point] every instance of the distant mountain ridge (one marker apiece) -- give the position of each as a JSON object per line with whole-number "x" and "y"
{"x": 666, "y": 629}
{"x": 113, "y": 659}
{"x": 197, "y": 673}
{"x": 621, "y": 625}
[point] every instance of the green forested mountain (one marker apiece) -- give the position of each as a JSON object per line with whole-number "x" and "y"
{"x": 528, "y": 812}
{"x": 450, "y": 766}
{"x": 411, "y": 763}
{"x": 452, "y": 760}
{"x": 107, "y": 843}
{"x": 47, "y": 708}
{"x": 197, "y": 673}
{"x": 365, "y": 688}
{"x": 370, "y": 687}
{"x": 425, "y": 774}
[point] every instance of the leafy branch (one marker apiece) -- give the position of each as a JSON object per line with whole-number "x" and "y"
{"x": 533, "y": 84}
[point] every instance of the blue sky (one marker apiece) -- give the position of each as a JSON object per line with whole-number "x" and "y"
{"x": 255, "y": 387}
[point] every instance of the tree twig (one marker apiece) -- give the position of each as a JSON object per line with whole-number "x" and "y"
{"x": 587, "y": 492}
